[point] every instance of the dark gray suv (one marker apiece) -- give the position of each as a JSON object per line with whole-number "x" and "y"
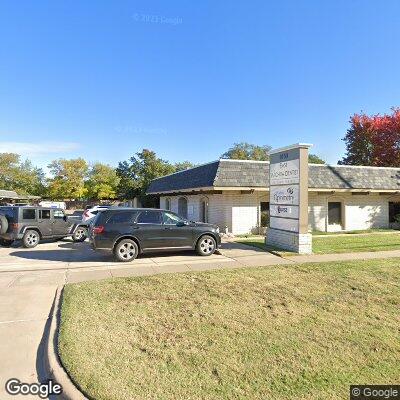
{"x": 130, "y": 231}
{"x": 31, "y": 224}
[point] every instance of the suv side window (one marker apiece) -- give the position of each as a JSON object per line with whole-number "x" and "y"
{"x": 124, "y": 217}
{"x": 28, "y": 213}
{"x": 171, "y": 219}
{"x": 149, "y": 217}
{"x": 44, "y": 214}
{"x": 58, "y": 214}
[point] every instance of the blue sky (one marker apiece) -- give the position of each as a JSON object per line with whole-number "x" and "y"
{"x": 103, "y": 80}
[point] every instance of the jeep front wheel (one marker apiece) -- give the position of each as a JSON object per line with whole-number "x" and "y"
{"x": 31, "y": 239}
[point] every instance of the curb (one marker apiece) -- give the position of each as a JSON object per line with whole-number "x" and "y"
{"x": 52, "y": 362}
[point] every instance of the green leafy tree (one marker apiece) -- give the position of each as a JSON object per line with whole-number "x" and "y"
{"x": 181, "y": 166}
{"x": 103, "y": 182}
{"x": 20, "y": 176}
{"x": 137, "y": 173}
{"x": 314, "y": 159}
{"x": 68, "y": 180}
{"x": 247, "y": 151}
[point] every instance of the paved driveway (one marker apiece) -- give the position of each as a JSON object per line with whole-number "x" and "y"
{"x": 29, "y": 279}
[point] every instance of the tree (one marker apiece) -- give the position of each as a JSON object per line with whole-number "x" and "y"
{"x": 247, "y": 151}
{"x": 373, "y": 140}
{"x": 181, "y": 166}
{"x": 103, "y": 182}
{"x": 137, "y": 173}
{"x": 314, "y": 159}
{"x": 68, "y": 180}
{"x": 20, "y": 176}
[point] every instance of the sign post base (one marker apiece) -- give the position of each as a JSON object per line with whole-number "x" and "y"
{"x": 297, "y": 242}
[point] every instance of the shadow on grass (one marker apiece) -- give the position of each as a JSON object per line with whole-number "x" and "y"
{"x": 269, "y": 249}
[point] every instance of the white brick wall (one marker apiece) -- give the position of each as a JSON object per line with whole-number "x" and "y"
{"x": 290, "y": 241}
{"x": 317, "y": 212}
{"x": 358, "y": 212}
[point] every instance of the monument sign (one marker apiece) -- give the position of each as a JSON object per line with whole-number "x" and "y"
{"x": 288, "y": 199}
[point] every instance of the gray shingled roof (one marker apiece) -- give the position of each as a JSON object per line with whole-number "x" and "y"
{"x": 236, "y": 173}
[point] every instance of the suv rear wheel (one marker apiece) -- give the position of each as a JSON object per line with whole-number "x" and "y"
{"x": 31, "y": 239}
{"x": 206, "y": 246}
{"x": 126, "y": 250}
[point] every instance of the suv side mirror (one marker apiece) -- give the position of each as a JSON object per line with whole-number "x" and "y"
{"x": 182, "y": 223}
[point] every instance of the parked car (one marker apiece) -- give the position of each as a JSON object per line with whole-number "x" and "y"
{"x": 32, "y": 224}
{"x": 53, "y": 204}
{"x": 92, "y": 211}
{"x": 130, "y": 231}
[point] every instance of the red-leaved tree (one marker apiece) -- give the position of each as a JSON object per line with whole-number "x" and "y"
{"x": 373, "y": 140}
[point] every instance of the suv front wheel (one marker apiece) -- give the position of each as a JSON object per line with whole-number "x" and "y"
{"x": 206, "y": 246}
{"x": 31, "y": 239}
{"x": 126, "y": 250}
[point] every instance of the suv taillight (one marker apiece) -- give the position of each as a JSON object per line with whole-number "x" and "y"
{"x": 98, "y": 229}
{"x": 86, "y": 213}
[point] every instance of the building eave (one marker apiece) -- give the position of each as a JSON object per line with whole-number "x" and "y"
{"x": 188, "y": 190}
{"x": 219, "y": 189}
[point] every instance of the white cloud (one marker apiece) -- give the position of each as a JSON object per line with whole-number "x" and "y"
{"x": 37, "y": 149}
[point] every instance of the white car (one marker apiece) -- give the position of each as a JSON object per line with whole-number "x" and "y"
{"x": 92, "y": 211}
{"x": 53, "y": 204}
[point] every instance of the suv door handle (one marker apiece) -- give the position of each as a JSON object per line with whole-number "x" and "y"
{"x": 167, "y": 227}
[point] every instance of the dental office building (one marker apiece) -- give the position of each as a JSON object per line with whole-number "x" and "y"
{"x": 234, "y": 194}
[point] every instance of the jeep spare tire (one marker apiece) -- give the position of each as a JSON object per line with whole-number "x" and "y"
{"x": 3, "y": 224}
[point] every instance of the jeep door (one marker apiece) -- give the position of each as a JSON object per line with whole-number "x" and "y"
{"x": 61, "y": 225}
{"x": 44, "y": 222}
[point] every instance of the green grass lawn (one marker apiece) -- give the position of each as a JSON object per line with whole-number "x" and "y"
{"x": 278, "y": 332}
{"x": 319, "y": 233}
{"x": 338, "y": 244}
